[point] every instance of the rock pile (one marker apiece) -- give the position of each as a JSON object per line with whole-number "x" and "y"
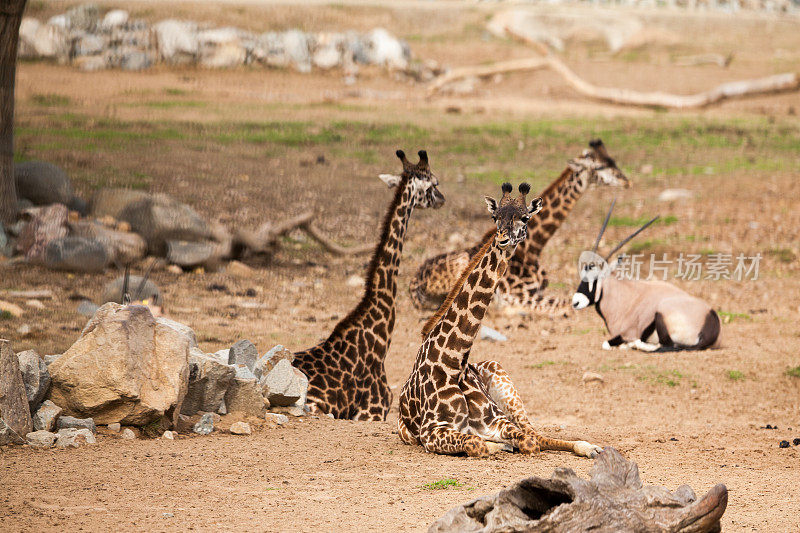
{"x": 84, "y": 38}
{"x": 129, "y": 368}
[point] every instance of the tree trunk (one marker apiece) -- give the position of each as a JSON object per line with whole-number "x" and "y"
{"x": 10, "y": 17}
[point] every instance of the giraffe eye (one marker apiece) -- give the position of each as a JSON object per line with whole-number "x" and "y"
{"x": 526, "y": 219}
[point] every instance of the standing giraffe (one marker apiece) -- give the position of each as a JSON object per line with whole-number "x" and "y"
{"x": 346, "y": 376}
{"x": 451, "y": 406}
{"x": 525, "y": 280}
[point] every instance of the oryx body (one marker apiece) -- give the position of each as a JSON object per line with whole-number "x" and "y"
{"x": 643, "y": 314}
{"x": 646, "y": 314}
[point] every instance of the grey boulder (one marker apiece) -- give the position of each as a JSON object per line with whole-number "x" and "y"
{"x": 40, "y": 439}
{"x": 46, "y": 416}
{"x": 76, "y": 254}
{"x": 74, "y": 438}
{"x": 208, "y": 382}
{"x": 205, "y": 425}
{"x": 160, "y": 218}
{"x": 243, "y": 352}
{"x": 284, "y": 385}
{"x": 67, "y": 422}
{"x": 244, "y": 396}
{"x": 268, "y": 361}
{"x": 15, "y": 415}
{"x": 35, "y": 376}
{"x": 42, "y": 183}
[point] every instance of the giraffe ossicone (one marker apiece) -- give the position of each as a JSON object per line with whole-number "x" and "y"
{"x": 451, "y": 406}
{"x": 346, "y": 373}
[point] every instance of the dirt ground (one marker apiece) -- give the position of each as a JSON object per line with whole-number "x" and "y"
{"x": 244, "y": 147}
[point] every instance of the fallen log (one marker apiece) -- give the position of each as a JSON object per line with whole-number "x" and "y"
{"x": 333, "y": 247}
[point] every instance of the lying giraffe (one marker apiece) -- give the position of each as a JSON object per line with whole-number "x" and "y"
{"x": 451, "y": 406}
{"x": 525, "y": 280}
{"x": 346, "y": 376}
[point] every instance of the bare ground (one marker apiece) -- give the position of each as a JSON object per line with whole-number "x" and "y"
{"x": 683, "y": 417}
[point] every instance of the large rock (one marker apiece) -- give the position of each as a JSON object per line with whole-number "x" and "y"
{"x": 74, "y": 438}
{"x": 244, "y": 396}
{"x": 15, "y": 415}
{"x": 190, "y": 254}
{"x": 297, "y": 47}
{"x": 35, "y": 376}
{"x": 160, "y": 218}
{"x": 177, "y": 41}
{"x": 88, "y": 44}
{"x": 126, "y": 367}
{"x": 382, "y": 48}
{"x": 114, "y": 19}
{"x": 83, "y": 17}
{"x": 268, "y": 361}
{"x": 5, "y": 245}
{"x": 111, "y": 202}
{"x": 46, "y": 416}
{"x": 26, "y": 46}
{"x": 221, "y": 48}
{"x": 51, "y": 42}
{"x": 182, "y": 329}
{"x": 76, "y": 254}
{"x": 112, "y": 291}
{"x": 45, "y": 225}
{"x": 121, "y": 247}
{"x": 243, "y": 352}
{"x": 208, "y": 382}
{"x": 284, "y": 385}
{"x": 42, "y": 183}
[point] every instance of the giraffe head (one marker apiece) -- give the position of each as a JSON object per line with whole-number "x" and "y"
{"x": 424, "y": 184}
{"x": 511, "y": 215}
{"x": 599, "y": 168}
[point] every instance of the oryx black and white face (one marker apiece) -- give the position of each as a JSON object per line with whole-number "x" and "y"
{"x": 592, "y": 269}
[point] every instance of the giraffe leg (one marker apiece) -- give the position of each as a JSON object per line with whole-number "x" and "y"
{"x": 405, "y": 433}
{"x": 445, "y": 440}
{"x": 505, "y": 395}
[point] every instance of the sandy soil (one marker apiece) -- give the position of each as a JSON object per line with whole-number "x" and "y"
{"x": 685, "y": 418}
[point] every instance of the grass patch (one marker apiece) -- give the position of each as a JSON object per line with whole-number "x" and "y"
{"x": 793, "y": 372}
{"x": 51, "y": 100}
{"x": 734, "y": 375}
{"x": 784, "y": 255}
{"x": 174, "y": 91}
{"x": 730, "y": 317}
{"x": 542, "y": 364}
{"x": 636, "y": 222}
{"x": 670, "y": 378}
{"x": 442, "y": 484}
{"x": 645, "y": 245}
{"x": 172, "y": 104}
{"x": 6, "y": 315}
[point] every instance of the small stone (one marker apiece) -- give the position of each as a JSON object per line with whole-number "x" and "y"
{"x": 40, "y": 439}
{"x": 330, "y": 415}
{"x": 592, "y": 377}
{"x": 796, "y": 442}
{"x": 72, "y": 437}
{"x": 24, "y": 330}
{"x": 11, "y": 309}
{"x": 115, "y": 427}
{"x": 646, "y": 169}
{"x": 670, "y": 195}
{"x": 67, "y": 422}
{"x": 167, "y": 515}
{"x": 243, "y": 352}
{"x": 174, "y": 269}
{"x": 45, "y": 417}
{"x": 355, "y": 281}
{"x": 205, "y": 425}
{"x": 784, "y": 444}
{"x": 168, "y": 435}
{"x": 239, "y": 269}
{"x": 240, "y": 428}
{"x": 128, "y": 434}
{"x": 488, "y": 334}
{"x": 276, "y": 418}
{"x": 36, "y": 304}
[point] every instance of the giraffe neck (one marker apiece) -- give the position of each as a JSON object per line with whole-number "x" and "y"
{"x": 451, "y": 338}
{"x": 377, "y": 304}
{"x": 557, "y": 201}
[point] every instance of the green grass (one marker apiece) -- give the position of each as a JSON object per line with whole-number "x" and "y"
{"x": 636, "y": 222}
{"x": 51, "y": 100}
{"x": 442, "y": 484}
{"x": 670, "y": 378}
{"x": 734, "y": 316}
{"x": 174, "y": 91}
{"x": 734, "y": 375}
{"x": 793, "y": 372}
{"x": 6, "y": 315}
{"x": 543, "y": 364}
{"x": 648, "y": 244}
{"x": 784, "y": 255}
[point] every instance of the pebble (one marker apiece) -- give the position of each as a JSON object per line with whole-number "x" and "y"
{"x": 488, "y": 334}
{"x": 205, "y": 425}
{"x": 71, "y": 437}
{"x": 36, "y": 304}
{"x": 355, "y": 281}
{"x": 592, "y": 377}
{"x": 174, "y": 269}
{"x": 24, "y": 330}
{"x": 240, "y": 428}
{"x": 168, "y": 435}
{"x": 65, "y": 422}
{"x": 784, "y": 444}
{"x": 128, "y": 434}
{"x": 40, "y": 439}
{"x": 239, "y": 269}
{"x": 796, "y": 442}
{"x": 277, "y": 418}
{"x": 114, "y": 427}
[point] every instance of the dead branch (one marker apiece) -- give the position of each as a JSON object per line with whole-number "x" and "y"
{"x": 333, "y": 247}
{"x": 266, "y": 236}
{"x": 704, "y": 59}
{"x": 786, "y": 82}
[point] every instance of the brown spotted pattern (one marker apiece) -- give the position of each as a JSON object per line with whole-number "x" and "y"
{"x": 450, "y": 406}
{"x": 346, "y": 371}
{"x": 525, "y": 280}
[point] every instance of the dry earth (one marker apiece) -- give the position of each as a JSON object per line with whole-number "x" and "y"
{"x": 242, "y": 146}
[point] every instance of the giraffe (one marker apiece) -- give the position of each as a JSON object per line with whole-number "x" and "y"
{"x": 451, "y": 406}
{"x": 346, "y": 375}
{"x": 525, "y": 280}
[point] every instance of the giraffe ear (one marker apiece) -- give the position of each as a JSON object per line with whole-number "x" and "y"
{"x": 492, "y": 204}
{"x": 535, "y": 207}
{"x": 391, "y": 180}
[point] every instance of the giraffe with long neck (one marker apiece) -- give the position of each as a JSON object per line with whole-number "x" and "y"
{"x": 451, "y": 406}
{"x": 523, "y": 285}
{"x": 346, "y": 371}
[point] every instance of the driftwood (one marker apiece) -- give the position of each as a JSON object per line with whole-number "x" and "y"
{"x": 613, "y": 499}
{"x": 779, "y": 83}
{"x": 265, "y": 238}
{"x": 704, "y": 59}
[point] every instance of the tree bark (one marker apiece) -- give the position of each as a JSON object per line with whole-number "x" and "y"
{"x": 10, "y": 18}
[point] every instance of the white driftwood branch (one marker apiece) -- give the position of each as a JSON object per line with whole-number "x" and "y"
{"x": 786, "y": 82}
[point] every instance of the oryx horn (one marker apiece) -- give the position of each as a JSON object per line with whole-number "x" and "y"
{"x": 603, "y": 229}
{"x": 631, "y": 236}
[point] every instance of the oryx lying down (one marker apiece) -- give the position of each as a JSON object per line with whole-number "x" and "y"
{"x": 646, "y": 315}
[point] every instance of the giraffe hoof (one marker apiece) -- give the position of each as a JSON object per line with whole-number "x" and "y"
{"x": 585, "y": 449}
{"x": 528, "y": 446}
{"x": 497, "y": 447}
